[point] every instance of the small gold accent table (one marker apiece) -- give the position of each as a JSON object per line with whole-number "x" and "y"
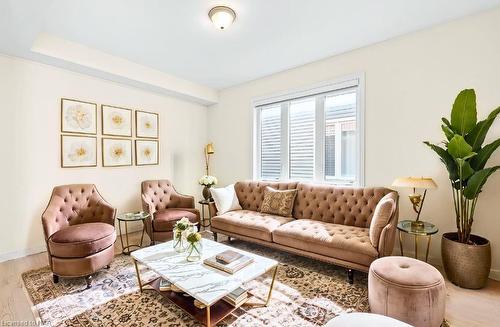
{"x": 427, "y": 230}
{"x": 127, "y": 217}
{"x": 205, "y": 203}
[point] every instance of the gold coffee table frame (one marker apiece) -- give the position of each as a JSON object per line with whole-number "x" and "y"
{"x": 126, "y": 218}
{"x": 211, "y": 314}
{"x": 426, "y": 230}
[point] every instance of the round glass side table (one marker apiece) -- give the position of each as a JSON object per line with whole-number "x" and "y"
{"x": 126, "y": 218}
{"x": 424, "y": 230}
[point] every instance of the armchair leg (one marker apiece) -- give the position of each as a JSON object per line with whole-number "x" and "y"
{"x": 350, "y": 276}
{"x": 107, "y": 266}
{"x": 88, "y": 280}
{"x": 55, "y": 278}
{"x": 215, "y": 237}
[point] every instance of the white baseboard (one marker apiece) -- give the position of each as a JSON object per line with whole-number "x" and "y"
{"x": 6, "y": 256}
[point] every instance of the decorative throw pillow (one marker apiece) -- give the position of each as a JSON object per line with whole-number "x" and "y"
{"x": 383, "y": 213}
{"x": 278, "y": 202}
{"x": 225, "y": 199}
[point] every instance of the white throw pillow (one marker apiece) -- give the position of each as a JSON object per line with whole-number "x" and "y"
{"x": 225, "y": 199}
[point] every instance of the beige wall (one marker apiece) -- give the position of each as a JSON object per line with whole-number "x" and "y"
{"x": 411, "y": 83}
{"x": 30, "y": 113}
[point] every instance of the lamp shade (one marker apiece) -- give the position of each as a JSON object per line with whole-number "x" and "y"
{"x": 415, "y": 182}
{"x": 210, "y": 148}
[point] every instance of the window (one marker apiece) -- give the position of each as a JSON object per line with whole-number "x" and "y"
{"x": 312, "y": 135}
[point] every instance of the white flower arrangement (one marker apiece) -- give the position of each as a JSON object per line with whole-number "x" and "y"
{"x": 207, "y": 180}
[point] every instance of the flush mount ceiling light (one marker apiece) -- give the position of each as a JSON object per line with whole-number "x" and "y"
{"x": 222, "y": 16}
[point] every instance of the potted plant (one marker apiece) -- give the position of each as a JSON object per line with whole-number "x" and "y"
{"x": 207, "y": 182}
{"x": 466, "y": 257}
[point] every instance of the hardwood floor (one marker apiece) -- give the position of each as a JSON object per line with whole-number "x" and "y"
{"x": 463, "y": 307}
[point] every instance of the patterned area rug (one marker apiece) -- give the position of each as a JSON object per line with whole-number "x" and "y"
{"x": 306, "y": 293}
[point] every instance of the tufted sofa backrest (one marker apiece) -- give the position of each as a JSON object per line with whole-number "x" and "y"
{"x": 251, "y": 193}
{"x": 338, "y": 205}
{"x": 72, "y": 205}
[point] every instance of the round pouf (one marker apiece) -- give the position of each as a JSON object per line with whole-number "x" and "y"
{"x": 407, "y": 289}
{"x": 361, "y": 319}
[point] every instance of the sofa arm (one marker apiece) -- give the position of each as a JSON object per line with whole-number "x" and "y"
{"x": 108, "y": 213}
{"x": 385, "y": 215}
{"x": 182, "y": 201}
{"x": 212, "y": 209}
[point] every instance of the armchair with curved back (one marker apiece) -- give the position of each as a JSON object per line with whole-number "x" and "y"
{"x": 166, "y": 206}
{"x": 79, "y": 231}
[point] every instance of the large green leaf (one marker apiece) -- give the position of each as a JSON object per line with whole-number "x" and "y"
{"x": 465, "y": 167}
{"x": 446, "y": 159}
{"x": 448, "y": 132}
{"x": 479, "y": 161}
{"x": 477, "y": 181}
{"x": 477, "y": 135}
{"x": 459, "y": 148}
{"x": 463, "y": 113}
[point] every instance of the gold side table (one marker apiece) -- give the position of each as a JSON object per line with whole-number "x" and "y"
{"x": 427, "y": 230}
{"x": 126, "y": 218}
{"x": 205, "y": 203}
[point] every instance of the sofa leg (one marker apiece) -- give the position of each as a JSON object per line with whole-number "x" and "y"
{"x": 107, "y": 266}
{"x": 55, "y": 278}
{"x": 88, "y": 280}
{"x": 350, "y": 276}
{"x": 215, "y": 237}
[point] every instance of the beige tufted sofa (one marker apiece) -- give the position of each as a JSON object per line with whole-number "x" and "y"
{"x": 328, "y": 223}
{"x": 79, "y": 231}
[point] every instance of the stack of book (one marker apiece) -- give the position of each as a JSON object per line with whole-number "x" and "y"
{"x": 165, "y": 285}
{"x": 236, "y": 297}
{"x": 229, "y": 261}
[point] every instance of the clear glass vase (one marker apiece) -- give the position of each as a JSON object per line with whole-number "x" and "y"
{"x": 180, "y": 242}
{"x": 194, "y": 251}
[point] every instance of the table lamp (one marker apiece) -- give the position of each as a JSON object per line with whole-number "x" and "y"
{"x": 416, "y": 199}
{"x": 209, "y": 150}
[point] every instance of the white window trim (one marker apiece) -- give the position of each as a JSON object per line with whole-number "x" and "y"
{"x": 324, "y": 87}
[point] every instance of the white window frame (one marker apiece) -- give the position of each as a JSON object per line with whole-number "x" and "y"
{"x": 325, "y": 88}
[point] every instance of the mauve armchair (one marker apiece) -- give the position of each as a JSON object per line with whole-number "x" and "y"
{"x": 165, "y": 206}
{"x": 79, "y": 231}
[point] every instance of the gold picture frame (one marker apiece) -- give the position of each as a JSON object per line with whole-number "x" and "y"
{"x": 78, "y": 117}
{"x": 143, "y": 160}
{"x": 124, "y": 117}
{"x": 78, "y": 153}
{"x": 147, "y": 124}
{"x": 114, "y": 152}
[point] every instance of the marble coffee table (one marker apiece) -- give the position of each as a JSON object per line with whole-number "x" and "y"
{"x": 201, "y": 282}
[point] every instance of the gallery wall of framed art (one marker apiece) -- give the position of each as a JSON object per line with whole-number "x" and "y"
{"x": 79, "y": 139}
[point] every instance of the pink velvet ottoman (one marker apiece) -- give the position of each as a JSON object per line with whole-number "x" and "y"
{"x": 407, "y": 289}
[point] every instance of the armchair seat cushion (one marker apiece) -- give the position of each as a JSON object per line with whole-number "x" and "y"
{"x": 348, "y": 243}
{"x": 164, "y": 220}
{"x": 249, "y": 223}
{"x": 82, "y": 240}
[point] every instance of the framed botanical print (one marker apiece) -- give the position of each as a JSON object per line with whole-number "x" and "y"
{"x": 78, "y": 151}
{"x": 116, "y": 152}
{"x": 146, "y": 124}
{"x": 116, "y": 121}
{"x": 146, "y": 152}
{"x": 78, "y": 117}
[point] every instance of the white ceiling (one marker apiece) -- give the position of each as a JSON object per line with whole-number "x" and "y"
{"x": 177, "y": 38}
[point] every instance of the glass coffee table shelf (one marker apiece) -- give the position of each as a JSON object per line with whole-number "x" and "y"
{"x": 198, "y": 281}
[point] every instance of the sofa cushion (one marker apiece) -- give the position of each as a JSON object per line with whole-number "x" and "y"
{"x": 249, "y": 223}
{"x": 82, "y": 240}
{"x": 347, "y": 243}
{"x": 381, "y": 217}
{"x": 277, "y": 202}
{"x": 164, "y": 220}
